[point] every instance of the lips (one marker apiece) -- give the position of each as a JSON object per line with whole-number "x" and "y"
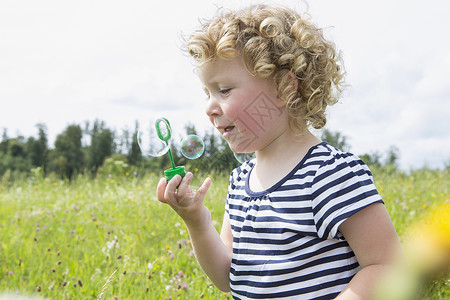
{"x": 225, "y": 130}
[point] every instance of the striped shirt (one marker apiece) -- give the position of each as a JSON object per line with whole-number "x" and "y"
{"x": 286, "y": 242}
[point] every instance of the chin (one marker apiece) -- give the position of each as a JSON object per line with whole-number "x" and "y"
{"x": 239, "y": 148}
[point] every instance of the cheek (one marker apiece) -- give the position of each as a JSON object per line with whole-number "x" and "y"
{"x": 232, "y": 112}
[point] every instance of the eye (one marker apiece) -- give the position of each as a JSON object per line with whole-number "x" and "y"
{"x": 225, "y": 91}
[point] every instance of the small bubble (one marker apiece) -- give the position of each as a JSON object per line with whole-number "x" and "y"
{"x": 243, "y": 157}
{"x": 192, "y": 146}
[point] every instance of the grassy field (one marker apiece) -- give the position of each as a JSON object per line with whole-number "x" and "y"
{"x": 68, "y": 240}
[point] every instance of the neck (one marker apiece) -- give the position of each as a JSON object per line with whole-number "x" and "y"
{"x": 279, "y": 158}
{"x": 287, "y": 145}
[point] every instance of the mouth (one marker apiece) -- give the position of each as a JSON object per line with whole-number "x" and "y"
{"x": 225, "y": 130}
{"x": 228, "y": 129}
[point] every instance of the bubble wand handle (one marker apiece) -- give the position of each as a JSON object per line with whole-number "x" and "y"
{"x": 171, "y": 157}
{"x": 164, "y": 132}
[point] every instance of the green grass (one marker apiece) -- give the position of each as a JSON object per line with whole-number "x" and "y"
{"x": 63, "y": 240}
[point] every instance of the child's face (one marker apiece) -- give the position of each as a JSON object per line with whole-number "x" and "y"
{"x": 243, "y": 108}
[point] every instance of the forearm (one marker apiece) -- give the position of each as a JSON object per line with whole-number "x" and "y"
{"x": 363, "y": 283}
{"x": 212, "y": 254}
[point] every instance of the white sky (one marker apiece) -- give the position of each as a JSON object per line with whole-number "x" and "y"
{"x": 67, "y": 62}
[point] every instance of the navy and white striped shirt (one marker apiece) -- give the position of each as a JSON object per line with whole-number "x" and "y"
{"x": 286, "y": 242}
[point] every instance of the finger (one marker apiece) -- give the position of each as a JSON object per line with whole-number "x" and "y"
{"x": 184, "y": 188}
{"x": 171, "y": 190}
{"x": 160, "y": 189}
{"x": 204, "y": 188}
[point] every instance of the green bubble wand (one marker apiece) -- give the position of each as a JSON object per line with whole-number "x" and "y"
{"x": 164, "y": 132}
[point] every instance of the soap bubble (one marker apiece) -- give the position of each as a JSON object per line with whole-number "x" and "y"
{"x": 192, "y": 147}
{"x": 149, "y": 142}
{"x": 243, "y": 157}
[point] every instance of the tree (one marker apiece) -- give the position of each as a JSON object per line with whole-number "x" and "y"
{"x": 134, "y": 153}
{"x": 372, "y": 159}
{"x": 102, "y": 145}
{"x": 4, "y": 142}
{"x": 37, "y": 149}
{"x": 68, "y": 156}
{"x": 335, "y": 139}
{"x": 392, "y": 156}
{"x": 15, "y": 158}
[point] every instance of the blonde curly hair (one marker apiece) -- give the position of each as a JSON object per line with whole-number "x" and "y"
{"x": 276, "y": 42}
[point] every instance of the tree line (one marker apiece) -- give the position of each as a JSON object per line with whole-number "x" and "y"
{"x": 86, "y": 149}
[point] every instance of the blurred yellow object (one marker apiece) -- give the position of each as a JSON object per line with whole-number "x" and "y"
{"x": 426, "y": 256}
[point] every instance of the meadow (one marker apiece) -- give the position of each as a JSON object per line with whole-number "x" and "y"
{"x": 109, "y": 238}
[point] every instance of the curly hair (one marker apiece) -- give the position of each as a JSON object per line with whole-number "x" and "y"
{"x": 276, "y": 42}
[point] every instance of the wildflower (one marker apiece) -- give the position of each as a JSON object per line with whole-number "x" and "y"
{"x": 135, "y": 173}
{"x": 150, "y": 266}
{"x": 133, "y": 273}
{"x": 167, "y": 247}
{"x": 109, "y": 175}
{"x": 112, "y": 244}
{"x": 10, "y": 272}
{"x": 184, "y": 286}
{"x": 172, "y": 256}
{"x": 37, "y": 228}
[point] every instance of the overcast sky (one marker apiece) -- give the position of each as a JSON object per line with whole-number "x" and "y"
{"x": 65, "y": 63}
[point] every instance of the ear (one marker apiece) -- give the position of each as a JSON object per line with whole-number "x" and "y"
{"x": 290, "y": 81}
{"x": 294, "y": 81}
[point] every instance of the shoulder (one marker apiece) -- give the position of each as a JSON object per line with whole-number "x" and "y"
{"x": 331, "y": 161}
{"x": 239, "y": 174}
{"x": 342, "y": 186}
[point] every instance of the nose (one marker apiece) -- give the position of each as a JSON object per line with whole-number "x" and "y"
{"x": 213, "y": 108}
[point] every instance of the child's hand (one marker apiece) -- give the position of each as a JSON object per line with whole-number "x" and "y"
{"x": 189, "y": 205}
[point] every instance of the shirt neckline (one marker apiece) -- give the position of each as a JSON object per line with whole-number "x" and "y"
{"x": 281, "y": 181}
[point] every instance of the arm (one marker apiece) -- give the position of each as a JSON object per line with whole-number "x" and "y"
{"x": 372, "y": 237}
{"x": 212, "y": 253}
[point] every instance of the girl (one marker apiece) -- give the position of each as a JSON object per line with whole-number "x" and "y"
{"x": 303, "y": 219}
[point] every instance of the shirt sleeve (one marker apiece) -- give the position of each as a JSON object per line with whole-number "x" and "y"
{"x": 343, "y": 185}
